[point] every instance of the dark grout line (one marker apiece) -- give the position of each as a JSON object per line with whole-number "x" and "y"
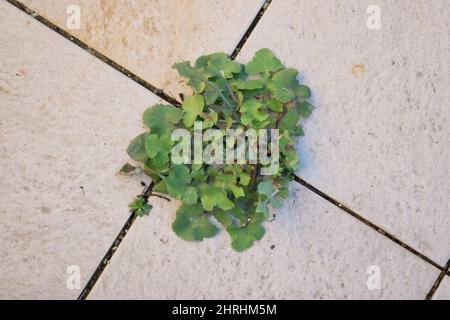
{"x": 369, "y": 223}
{"x": 112, "y": 249}
{"x": 159, "y": 92}
{"x": 438, "y": 281}
{"x": 250, "y": 29}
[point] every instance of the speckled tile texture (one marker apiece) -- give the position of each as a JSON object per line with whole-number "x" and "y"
{"x": 443, "y": 292}
{"x": 378, "y": 141}
{"x": 379, "y": 138}
{"x": 149, "y": 36}
{"x": 318, "y": 252}
{"x": 65, "y": 122}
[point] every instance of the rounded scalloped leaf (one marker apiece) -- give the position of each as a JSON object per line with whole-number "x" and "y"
{"x": 136, "y": 148}
{"x": 244, "y": 237}
{"x": 192, "y": 225}
{"x": 161, "y": 118}
{"x": 263, "y": 62}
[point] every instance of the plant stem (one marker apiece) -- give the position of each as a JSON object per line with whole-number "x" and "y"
{"x": 227, "y": 102}
{"x": 159, "y": 196}
{"x": 233, "y": 96}
{"x": 157, "y": 173}
{"x": 233, "y": 110}
{"x": 255, "y": 175}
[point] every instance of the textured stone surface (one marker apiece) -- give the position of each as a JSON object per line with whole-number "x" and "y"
{"x": 148, "y": 37}
{"x": 66, "y": 118}
{"x": 65, "y": 122}
{"x": 443, "y": 292}
{"x": 319, "y": 252}
{"x": 379, "y": 138}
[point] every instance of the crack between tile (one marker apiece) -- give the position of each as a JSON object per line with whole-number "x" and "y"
{"x": 159, "y": 92}
{"x": 113, "y": 248}
{"x": 369, "y": 224}
{"x": 438, "y": 281}
{"x": 250, "y": 29}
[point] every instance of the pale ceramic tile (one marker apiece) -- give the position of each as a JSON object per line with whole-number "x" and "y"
{"x": 148, "y": 37}
{"x": 320, "y": 253}
{"x": 379, "y": 139}
{"x": 65, "y": 122}
{"x": 443, "y": 292}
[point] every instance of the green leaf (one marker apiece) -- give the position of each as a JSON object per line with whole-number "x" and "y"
{"x": 223, "y": 218}
{"x": 212, "y": 92}
{"x": 192, "y": 225}
{"x": 161, "y": 187}
{"x": 158, "y": 145}
{"x": 160, "y": 162}
{"x": 220, "y": 64}
{"x": 244, "y": 179}
{"x": 292, "y": 160}
{"x": 305, "y": 109}
{"x": 286, "y": 141}
{"x": 209, "y": 118}
{"x": 193, "y": 107}
{"x": 266, "y": 192}
{"x": 177, "y": 184}
{"x": 136, "y": 149}
{"x": 241, "y": 215}
{"x": 140, "y": 206}
{"x": 237, "y": 171}
{"x": 244, "y": 237}
{"x": 196, "y": 76}
{"x": 137, "y": 203}
{"x": 266, "y": 188}
{"x": 283, "y": 192}
{"x": 290, "y": 120}
{"x": 199, "y": 175}
{"x": 303, "y": 92}
{"x": 250, "y": 85}
{"x": 190, "y": 196}
{"x": 275, "y": 105}
{"x": 252, "y": 112}
{"x": 284, "y": 85}
{"x": 263, "y": 62}
{"x": 212, "y": 196}
{"x": 229, "y": 183}
{"x": 145, "y": 210}
{"x": 162, "y": 119}
{"x": 127, "y": 169}
{"x": 261, "y": 207}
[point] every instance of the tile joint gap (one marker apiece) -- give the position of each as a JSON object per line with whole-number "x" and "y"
{"x": 113, "y": 248}
{"x": 438, "y": 281}
{"x": 159, "y": 92}
{"x": 250, "y": 29}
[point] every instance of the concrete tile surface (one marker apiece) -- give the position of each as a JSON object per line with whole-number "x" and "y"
{"x": 319, "y": 253}
{"x": 65, "y": 122}
{"x": 379, "y": 138}
{"x": 148, "y": 37}
{"x": 378, "y": 141}
{"x": 443, "y": 292}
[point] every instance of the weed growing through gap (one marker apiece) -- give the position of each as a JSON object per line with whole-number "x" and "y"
{"x": 262, "y": 97}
